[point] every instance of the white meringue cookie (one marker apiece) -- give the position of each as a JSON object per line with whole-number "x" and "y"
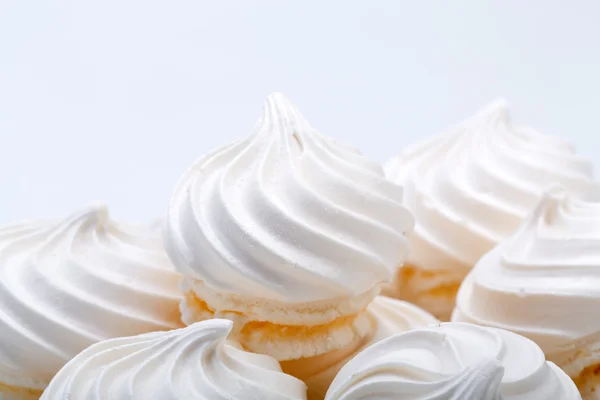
{"x": 544, "y": 283}
{"x": 193, "y": 363}
{"x": 287, "y": 214}
{"x": 66, "y": 284}
{"x": 471, "y": 188}
{"x": 388, "y": 317}
{"x": 452, "y": 362}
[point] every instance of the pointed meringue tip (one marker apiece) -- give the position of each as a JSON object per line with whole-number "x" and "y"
{"x": 555, "y": 191}
{"x": 279, "y": 111}
{"x": 97, "y": 210}
{"x": 552, "y": 198}
{"x": 546, "y": 208}
{"x": 497, "y": 107}
{"x": 96, "y": 214}
{"x": 276, "y": 94}
{"x": 278, "y": 98}
{"x": 222, "y": 326}
{"x": 499, "y": 102}
{"x": 279, "y": 103}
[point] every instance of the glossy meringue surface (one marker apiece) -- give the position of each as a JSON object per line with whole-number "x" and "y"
{"x": 287, "y": 214}
{"x": 544, "y": 282}
{"x": 196, "y": 362}
{"x": 452, "y": 361}
{"x": 471, "y": 188}
{"x": 66, "y": 284}
{"x": 395, "y": 316}
{"x": 388, "y": 317}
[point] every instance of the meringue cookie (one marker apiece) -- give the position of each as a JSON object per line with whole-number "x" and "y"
{"x": 452, "y": 361}
{"x": 469, "y": 190}
{"x": 287, "y": 214}
{"x": 66, "y": 284}
{"x": 288, "y": 233}
{"x": 387, "y": 317}
{"x": 544, "y": 283}
{"x": 193, "y": 363}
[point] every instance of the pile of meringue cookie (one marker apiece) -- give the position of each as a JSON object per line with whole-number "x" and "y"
{"x": 289, "y": 267}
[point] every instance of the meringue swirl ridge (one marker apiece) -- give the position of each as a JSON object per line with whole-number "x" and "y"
{"x": 472, "y": 187}
{"x": 550, "y": 272}
{"x": 452, "y": 361}
{"x": 195, "y": 363}
{"x": 66, "y": 284}
{"x": 287, "y": 214}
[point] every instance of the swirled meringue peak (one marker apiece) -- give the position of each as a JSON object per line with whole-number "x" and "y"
{"x": 544, "y": 283}
{"x": 452, "y": 361}
{"x": 193, "y": 363}
{"x": 472, "y": 187}
{"x": 287, "y": 214}
{"x": 66, "y": 284}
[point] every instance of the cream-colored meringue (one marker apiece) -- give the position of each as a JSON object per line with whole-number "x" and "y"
{"x": 471, "y": 188}
{"x": 66, "y": 284}
{"x": 287, "y": 214}
{"x": 452, "y": 361}
{"x": 193, "y": 363}
{"x": 387, "y": 316}
{"x": 544, "y": 283}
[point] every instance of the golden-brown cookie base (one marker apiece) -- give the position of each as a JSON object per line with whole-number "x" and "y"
{"x": 8, "y": 392}
{"x": 588, "y": 382}
{"x": 432, "y": 290}
{"x": 284, "y": 342}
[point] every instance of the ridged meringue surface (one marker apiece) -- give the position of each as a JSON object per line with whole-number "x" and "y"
{"x": 471, "y": 188}
{"x": 544, "y": 283}
{"x": 452, "y": 361}
{"x": 287, "y": 214}
{"x": 388, "y": 317}
{"x": 66, "y": 284}
{"x": 193, "y": 363}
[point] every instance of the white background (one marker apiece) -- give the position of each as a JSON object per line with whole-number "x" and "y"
{"x": 111, "y": 100}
